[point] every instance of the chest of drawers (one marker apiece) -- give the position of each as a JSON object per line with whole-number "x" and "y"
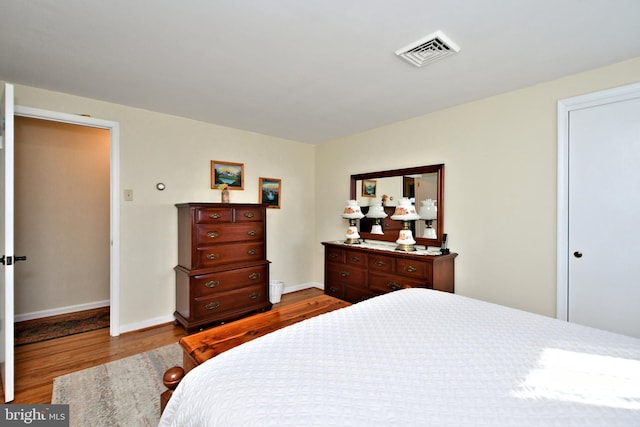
{"x": 354, "y": 273}
{"x": 222, "y": 270}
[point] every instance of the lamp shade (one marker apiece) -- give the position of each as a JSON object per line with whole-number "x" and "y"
{"x": 352, "y": 210}
{"x": 376, "y": 211}
{"x": 405, "y": 211}
{"x": 428, "y": 209}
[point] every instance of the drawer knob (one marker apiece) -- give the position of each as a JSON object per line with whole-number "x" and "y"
{"x": 251, "y": 233}
{"x": 254, "y": 295}
{"x": 212, "y": 234}
{"x": 254, "y": 276}
{"x": 380, "y": 263}
{"x": 212, "y": 305}
{"x": 214, "y": 215}
{"x": 333, "y": 255}
{"x": 249, "y": 214}
{"x": 251, "y": 251}
{"x": 344, "y": 274}
{"x": 394, "y": 286}
{"x": 333, "y": 289}
{"x": 212, "y": 283}
{"x": 211, "y": 257}
{"x": 355, "y": 259}
{"x": 410, "y": 269}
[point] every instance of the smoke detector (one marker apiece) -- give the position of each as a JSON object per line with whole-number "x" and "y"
{"x": 428, "y": 49}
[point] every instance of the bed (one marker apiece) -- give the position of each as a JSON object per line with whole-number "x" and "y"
{"x": 418, "y": 357}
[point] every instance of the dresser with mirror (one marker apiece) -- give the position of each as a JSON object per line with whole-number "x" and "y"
{"x": 374, "y": 265}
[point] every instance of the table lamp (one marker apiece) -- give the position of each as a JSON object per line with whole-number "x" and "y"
{"x": 352, "y": 212}
{"x": 428, "y": 212}
{"x": 406, "y": 213}
{"x": 376, "y": 211}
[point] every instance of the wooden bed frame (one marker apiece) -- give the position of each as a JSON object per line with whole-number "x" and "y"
{"x": 202, "y": 346}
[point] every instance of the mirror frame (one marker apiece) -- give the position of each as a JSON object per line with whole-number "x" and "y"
{"x": 439, "y": 169}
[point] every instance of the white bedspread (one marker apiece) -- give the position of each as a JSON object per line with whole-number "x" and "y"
{"x": 418, "y": 357}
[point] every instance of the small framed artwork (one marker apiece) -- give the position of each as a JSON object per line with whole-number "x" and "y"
{"x": 270, "y": 192}
{"x": 228, "y": 173}
{"x": 368, "y": 188}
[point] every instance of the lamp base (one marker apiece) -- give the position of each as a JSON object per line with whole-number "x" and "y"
{"x": 376, "y": 229}
{"x": 405, "y": 247}
{"x": 429, "y": 233}
{"x": 352, "y": 241}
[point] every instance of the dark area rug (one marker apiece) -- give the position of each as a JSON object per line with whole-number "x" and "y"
{"x": 47, "y": 328}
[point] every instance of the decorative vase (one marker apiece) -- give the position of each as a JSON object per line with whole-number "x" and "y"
{"x": 225, "y": 195}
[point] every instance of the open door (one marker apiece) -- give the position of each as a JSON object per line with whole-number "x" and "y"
{"x": 6, "y": 244}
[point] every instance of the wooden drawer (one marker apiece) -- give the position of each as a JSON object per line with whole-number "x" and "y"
{"x": 356, "y": 258}
{"x": 244, "y": 214}
{"x": 213, "y": 215}
{"x": 334, "y": 289}
{"x": 335, "y": 255}
{"x": 224, "y": 281}
{"x": 221, "y": 304}
{"x": 387, "y": 283}
{"x": 381, "y": 263}
{"x": 391, "y": 226}
{"x": 219, "y": 233}
{"x": 413, "y": 268}
{"x": 231, "y": 253}
{"x": 346, "y": 275}
{"x": 357, "y": 294}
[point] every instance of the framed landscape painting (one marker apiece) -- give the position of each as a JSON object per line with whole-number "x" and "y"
{"x": 270, "y": 192}
{"x": 369, "y": 188}
{"x": 228, "y": 173}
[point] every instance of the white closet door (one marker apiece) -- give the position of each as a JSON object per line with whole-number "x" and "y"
{"x": 604, "y": 217}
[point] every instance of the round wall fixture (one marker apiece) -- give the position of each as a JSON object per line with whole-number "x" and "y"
{"x": 160, "y": 186}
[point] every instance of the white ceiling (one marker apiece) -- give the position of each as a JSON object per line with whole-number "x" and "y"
{"x": 305, "y": 70}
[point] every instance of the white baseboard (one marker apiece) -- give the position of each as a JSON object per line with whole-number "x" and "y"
{"x": 61, "y": 310}
{"x": 295, "y": 288}
{"x": 130, "y": 327}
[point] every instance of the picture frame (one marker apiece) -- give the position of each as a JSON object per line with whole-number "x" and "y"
{"x": 369, "y": 187}
{"x": 270, "y": 192}
{"x": 228, "y": 173}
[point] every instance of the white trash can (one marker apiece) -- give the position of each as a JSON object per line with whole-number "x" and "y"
{"x": 275, "y": 291}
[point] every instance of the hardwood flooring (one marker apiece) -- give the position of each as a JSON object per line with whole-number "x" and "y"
{"x": 36, "y": 365}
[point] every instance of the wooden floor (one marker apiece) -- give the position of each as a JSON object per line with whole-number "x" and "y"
{"x": 36, "y": 365}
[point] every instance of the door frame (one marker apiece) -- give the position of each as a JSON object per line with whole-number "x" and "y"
{"x": 114, "y": 214}
{"x": 565, "y": 107}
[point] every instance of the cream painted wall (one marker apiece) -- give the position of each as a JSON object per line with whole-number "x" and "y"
{"x": 156, "y": 148}
{"x": 61, "y": 215}
{"x": 500, "y": 183}
{"x": 500, "y": 157}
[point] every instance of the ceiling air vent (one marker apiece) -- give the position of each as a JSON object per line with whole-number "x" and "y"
{"x": 428, "y": 49}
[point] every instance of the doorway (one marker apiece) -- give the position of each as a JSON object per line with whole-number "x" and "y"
{"x": 598, "y": 207}
{"x": 114, "y": 205}
{"x": 61, "y": 217}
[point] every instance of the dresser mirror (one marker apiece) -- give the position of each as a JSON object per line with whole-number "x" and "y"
{"x": 419, "y": 183}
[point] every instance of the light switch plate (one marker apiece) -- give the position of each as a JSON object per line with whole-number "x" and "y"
{"x": 128, "y": 195}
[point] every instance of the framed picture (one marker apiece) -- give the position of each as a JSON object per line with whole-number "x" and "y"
{"x": 228, "y": 173}
{"x": 270, "y": 192}
{"x": 368, "y": 188}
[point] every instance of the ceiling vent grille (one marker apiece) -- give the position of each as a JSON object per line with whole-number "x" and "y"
{"x": 428, "y": 49}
